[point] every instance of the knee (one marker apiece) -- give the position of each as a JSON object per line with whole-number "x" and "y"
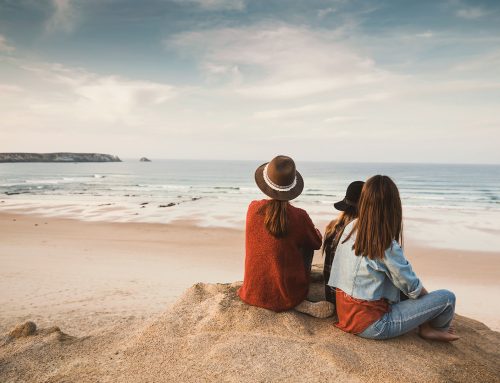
{"x": 449, "y": 296}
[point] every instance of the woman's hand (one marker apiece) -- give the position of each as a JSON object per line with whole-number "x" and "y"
{"x": 423, "y": 292}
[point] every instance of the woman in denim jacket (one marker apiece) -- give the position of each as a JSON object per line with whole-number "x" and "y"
{"x": 370, "y": 270}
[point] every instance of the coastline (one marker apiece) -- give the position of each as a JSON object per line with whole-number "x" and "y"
{"x": 88, "y": 277}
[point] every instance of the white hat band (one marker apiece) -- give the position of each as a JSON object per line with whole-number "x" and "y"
{"x": 273, "y": 186}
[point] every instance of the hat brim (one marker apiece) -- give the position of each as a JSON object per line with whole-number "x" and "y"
{"x": 341, "y": 205}
{"x": 275, "y": 194}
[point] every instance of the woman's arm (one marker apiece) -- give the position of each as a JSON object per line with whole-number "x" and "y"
{"x": 313, "y": 237}
{"x": 400, "y": 272}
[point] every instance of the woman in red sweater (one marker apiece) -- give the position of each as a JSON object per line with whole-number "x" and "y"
{"x": 280, "y": 242}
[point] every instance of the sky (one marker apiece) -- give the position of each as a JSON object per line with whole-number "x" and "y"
{"x": 338, "y": 80}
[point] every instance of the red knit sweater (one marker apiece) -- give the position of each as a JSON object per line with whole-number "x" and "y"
{"x": 275, "y": 272}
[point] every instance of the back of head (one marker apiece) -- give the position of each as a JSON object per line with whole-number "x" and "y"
{"x": 336, "y": 227}
{"x": 380, "y": 217}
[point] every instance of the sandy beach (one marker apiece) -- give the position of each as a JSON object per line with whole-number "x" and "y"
{"x": 90, "y": 276}
{"x": 131, "y": 302}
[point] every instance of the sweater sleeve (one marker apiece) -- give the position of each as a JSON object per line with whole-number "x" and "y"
{"x": 312, "y": 236}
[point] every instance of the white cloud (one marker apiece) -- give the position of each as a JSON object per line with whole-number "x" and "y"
{"x": 4, "y": 45}
{"x": 483, "y": 63}
{"x": 217, "y": 5}
{"x": 262, "y": 82}
{"x": 471, "y": 13}
{"x": 63, "y": 18}
{"x": 278, "y": 61}
{"x": 343, "y": 119}
{"x": 324, "y": 12}
{"x": 55, "y": 91}
{"x": 320, "y": 107}
{"x": 427, "y": 34}
{"x": 9, "y": 88}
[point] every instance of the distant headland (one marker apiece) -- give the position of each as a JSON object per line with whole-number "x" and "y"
{"x": 58, "y": 157}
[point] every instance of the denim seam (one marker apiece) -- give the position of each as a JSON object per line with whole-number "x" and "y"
{"x": 420, "y": 314}
{"x": 355, "y": 275}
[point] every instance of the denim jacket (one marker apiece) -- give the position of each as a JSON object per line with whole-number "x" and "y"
{"x": 373, "y": 279}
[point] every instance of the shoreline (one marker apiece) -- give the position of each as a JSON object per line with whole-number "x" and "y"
{"x": 442, "y": 228}
{"x": 88, "y": 277}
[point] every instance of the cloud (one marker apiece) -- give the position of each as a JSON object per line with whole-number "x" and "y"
{"x": 85, "y": 95}
{"x": 4, "y": 45}
{"x": 63, "y": 18}
{"x": 8, "y": 88}
{"x": 324, "y": 12}
{"x": 471, "y": 13}
{"x": 278, "y": 61}
{"x": 246, "y": 84}
{"x": 482, "y": 63}
{"x": 217, "y": 5}
{"x": 344, "y": 119}
{"x": 427, "y": 34}
{"x": 321, "y": 107}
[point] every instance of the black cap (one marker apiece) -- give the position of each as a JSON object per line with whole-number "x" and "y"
{"x": 351, "y": 196}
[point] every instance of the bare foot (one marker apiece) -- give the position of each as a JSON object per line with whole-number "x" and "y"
{"x": 428, "y": 332}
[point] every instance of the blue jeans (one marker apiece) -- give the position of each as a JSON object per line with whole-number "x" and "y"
{"x": 437, "y": 308}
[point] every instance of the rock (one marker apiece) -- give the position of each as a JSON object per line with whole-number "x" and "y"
{"x": 58, "y": 157}
{"x": 210, "y": 335}
{"x": 23, "y": 330}
{"x": 144, "y": 159}
{"x": 168, "y": 205}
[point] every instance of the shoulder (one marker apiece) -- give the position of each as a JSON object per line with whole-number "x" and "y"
{"x": 254, "y": 207}
{"x": 348, "y": 229}
{"x": 257, "y": 204}
{"x": 297, "y": 211}
{"x": 394, "y": 249}
{"x": 394, "y": 254}
{"x": 350, "y": 225}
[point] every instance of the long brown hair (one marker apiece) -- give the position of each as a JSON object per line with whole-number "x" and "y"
{"x": 380, "y": 218}
{"x": 335, "y": 228}
{"x": 275, "y": 217}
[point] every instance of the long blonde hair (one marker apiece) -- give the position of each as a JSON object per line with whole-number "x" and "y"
{"x": 335, "y": 228}
{"x": 275, "y": 217}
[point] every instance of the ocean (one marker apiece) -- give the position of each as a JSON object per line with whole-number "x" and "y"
{"x": 452, "y": 206}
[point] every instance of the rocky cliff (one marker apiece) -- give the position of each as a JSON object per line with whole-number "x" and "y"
{"x": 58, "y": 157}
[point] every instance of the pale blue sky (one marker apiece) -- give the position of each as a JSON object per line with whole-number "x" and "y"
{"x": 396, "y": 81}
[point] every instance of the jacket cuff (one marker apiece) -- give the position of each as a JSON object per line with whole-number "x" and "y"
{"x": 416, "y": 292}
